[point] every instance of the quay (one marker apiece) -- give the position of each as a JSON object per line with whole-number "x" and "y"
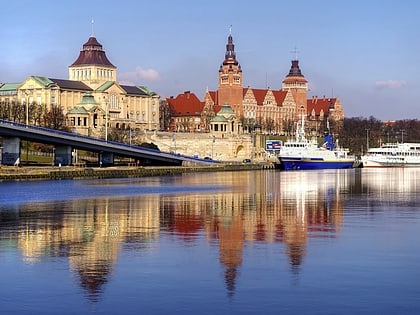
{"x": 28, "y": 173}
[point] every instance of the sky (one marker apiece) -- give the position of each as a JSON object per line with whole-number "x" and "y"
{"x": 365, "y": 52}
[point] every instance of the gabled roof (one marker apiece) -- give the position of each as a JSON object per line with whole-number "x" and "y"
{"x": 71, "y": 85}
{"x": 280, "y": 96}
{"x": 9, "y": 86}
{"x": 213, "y": 96}
{"x": 259, "y": 95}
{"x": 44, "y": 81}
{"x": 105, "y": 86}
{"x": 317, "y": 104}
{"x": 62, "y": 84}
{"x": 146, "y": 90}
{"x": 133, "y": 90}
{"x": 186, "y": 104}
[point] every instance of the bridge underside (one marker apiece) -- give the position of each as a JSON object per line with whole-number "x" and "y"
{"x": 64, "y": 155}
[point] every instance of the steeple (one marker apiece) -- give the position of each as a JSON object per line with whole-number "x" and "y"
{"x": 230, "y": 79}
{"x": 230, "y": 55}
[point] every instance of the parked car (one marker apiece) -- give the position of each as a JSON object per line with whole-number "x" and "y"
{"x": 246, "y": 161}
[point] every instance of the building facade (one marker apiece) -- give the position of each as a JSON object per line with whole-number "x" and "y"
{"x": 91, "y": 98}
{"x": 271, "y": 111}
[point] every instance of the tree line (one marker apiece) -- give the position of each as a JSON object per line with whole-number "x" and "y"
{"x": 35, "y": 114}
{"x": 358, "y": 133}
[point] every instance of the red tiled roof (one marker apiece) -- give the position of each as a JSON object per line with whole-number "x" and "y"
{"x": 186, "y": 104}
{"x": 279, "y": 96}
{"x": 317, "y": 104}
{"x": 259, "y": 95}
{"x": 244, "y": 90}
{"x": 213, "y": 95}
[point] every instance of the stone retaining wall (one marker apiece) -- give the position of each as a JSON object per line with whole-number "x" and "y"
{"x": 26, "y": 174}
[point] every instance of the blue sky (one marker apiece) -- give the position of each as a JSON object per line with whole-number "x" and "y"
{"x": 366, "y": 52}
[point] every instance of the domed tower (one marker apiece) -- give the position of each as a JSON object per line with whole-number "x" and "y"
{"x": 92, "y": 66}
{"x": 298, "y": 86}
{"x": 230, "y": 80}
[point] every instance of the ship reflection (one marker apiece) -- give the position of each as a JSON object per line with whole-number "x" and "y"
{"x": 289, "y": 209}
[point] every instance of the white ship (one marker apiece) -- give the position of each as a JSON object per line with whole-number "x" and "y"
{"x": 306, "y": 154}
{"x": 393, "y": 155}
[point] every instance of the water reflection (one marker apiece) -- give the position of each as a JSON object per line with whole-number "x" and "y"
{"x": 288, "y": 208}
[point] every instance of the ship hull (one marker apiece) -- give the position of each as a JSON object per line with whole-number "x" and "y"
{"x": 291, "y": 163}
{"x": 388, "y": 163}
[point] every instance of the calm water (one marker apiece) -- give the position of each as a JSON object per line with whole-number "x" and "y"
{"x": 268, "y": 242}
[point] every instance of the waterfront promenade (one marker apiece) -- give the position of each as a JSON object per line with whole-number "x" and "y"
{"x": 12, "y": 173}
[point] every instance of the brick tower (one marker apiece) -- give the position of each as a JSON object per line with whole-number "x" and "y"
{"x": 230, "y": 80}
{"x": 298, "y": 86}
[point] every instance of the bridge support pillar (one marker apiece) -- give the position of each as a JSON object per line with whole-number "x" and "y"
{"x": 106, "y": 158}
{"x": 10, "y": 154}
{"x": 62, "y": 155}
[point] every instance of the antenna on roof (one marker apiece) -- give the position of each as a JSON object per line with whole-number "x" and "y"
{"x": 230, "y": 29}
{"x": 295, "y": 51}
{"x": 92, "y": 33}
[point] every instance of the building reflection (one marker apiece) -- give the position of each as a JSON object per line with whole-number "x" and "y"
{"x": 89, "y": 232}
{"x": 288, "y": 209}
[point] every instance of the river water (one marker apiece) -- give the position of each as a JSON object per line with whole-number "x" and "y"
{"x": 251, "y": 242}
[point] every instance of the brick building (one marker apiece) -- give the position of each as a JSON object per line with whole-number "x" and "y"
{"x": 270, "y": 110}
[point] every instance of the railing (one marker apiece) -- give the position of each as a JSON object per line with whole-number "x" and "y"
{"x": 102, "y": 141}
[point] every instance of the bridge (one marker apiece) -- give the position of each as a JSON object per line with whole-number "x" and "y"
{"x": 65, "y": 142}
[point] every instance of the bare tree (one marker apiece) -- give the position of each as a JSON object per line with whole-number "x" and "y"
{"x": 165, "y": 115}
{"x": 55, "y": 118}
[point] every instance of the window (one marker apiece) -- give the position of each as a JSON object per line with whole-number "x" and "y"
{"x": 113, "y": 101}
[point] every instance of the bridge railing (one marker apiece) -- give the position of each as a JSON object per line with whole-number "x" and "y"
{"x": 72, "y": 135}
{"x": 88, "y": 138}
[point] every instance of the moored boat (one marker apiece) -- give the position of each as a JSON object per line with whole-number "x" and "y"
{"x": 306, "y": 154}
{"x": 393, "y": 155}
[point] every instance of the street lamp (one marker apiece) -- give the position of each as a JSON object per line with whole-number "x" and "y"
{"x": 212, "y": 146}
{"x": 367, "y": 140}
{"x": 106, "y": 119}
{"x": 27, "y": 107}
{"x": 174, "y": 140}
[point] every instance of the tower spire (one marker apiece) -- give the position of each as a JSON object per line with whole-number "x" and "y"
{"x": 230, "y": 79}
{"x": 92, "y": 34}
{"x": 295, "y": 51}
{"x": 230, "y": 55}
